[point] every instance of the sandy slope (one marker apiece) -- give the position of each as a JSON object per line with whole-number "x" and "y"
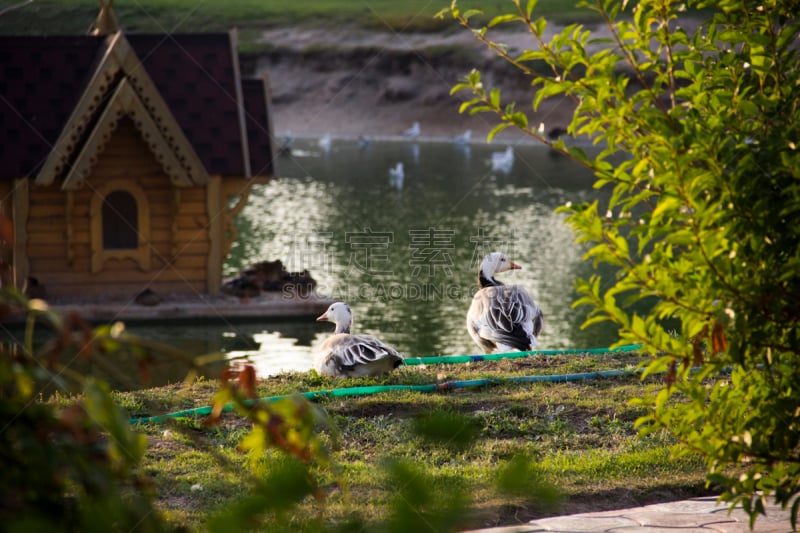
{"x": 350, "y": 82}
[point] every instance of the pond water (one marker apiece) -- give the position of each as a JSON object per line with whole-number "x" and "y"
{"x": 403, "y": 252}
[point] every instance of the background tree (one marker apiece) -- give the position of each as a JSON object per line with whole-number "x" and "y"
{"x": 699, "y": 134}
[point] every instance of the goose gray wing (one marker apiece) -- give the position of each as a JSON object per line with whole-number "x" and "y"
{"x": 356, "y": 355}
{"x": 504, "y": 318}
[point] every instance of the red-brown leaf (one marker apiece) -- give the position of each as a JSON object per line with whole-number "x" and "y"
{"x": 718, "y": 341}
{"x": 671, "y": 376}
{"x": 247, "y": 380}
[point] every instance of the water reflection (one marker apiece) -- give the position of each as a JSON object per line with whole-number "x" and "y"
{"x": 276, "y": 352}
{"x": 276, "y": 346}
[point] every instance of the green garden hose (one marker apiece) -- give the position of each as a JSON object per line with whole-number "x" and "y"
{"x": 375, "y": 389}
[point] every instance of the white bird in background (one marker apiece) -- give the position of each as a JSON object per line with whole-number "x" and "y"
{"x": 346, "y": 355}
{"x": 503, "y": 161}
{"x": 363, "y": 142}
{"x": 285, "y": 146}
{"x": 463, "y": 138}
{"x": 413, "y": 131}
{"x": 502, "y": 318}
{"x": 325, "y": 143}
{"x": 397, "y": 176}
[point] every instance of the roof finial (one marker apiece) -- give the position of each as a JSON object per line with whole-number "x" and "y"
{"x": 106, "y": 21}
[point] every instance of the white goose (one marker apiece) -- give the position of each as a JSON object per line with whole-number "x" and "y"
{"x": 502, "y": 318}
{"x": 463, "y": 138}
{"x": 412, "y": 132}
{"x": 503, "y": 161}
{"x": 346, "y": 355}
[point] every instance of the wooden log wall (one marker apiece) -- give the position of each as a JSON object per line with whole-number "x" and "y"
{"x": 59, "y": 246}
{"x": 7, "y": 278}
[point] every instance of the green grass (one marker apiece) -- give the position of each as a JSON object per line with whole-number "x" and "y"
{"x": 577, "y": 437}
{"x": 75, "y": 16}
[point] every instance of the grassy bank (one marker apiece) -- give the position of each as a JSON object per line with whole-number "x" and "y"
{"x": 521, "y": 451}
{"x": 74, "y": 16}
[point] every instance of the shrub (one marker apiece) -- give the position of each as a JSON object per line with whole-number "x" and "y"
{"x": 71, "y": 468}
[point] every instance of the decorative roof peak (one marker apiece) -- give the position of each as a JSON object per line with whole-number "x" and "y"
{"x": 106, "y": 23}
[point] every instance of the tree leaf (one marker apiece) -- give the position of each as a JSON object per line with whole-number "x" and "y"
{"x": 501, "y": 19}
{"x": 497, "y": 129}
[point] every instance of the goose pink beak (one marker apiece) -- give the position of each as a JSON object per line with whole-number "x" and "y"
{"x": 323, "y": 316}
{"x": 515, "y": 266}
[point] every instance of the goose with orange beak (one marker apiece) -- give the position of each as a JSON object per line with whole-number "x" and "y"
{"x": 502, "y": 318}
{"x": 346, "y": 355}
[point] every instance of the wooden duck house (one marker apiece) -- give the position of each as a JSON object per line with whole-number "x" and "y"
{"x": 125, "y": 158}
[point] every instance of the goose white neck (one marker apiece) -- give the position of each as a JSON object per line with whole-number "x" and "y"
{"x": 343, "y": 326}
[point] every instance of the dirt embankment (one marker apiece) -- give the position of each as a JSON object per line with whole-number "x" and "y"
{"x": 355, "y": 82}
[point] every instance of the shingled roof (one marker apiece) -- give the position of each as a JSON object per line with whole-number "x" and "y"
{"x": 258, "y": 126}
{"x": 43, "y": 78}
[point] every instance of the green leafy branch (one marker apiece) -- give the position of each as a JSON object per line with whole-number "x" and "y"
{"x": 697, "y": 149}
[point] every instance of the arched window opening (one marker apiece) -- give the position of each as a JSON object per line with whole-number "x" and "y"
{"x": 120, "y": 224}
{"x": 120, "y": 221}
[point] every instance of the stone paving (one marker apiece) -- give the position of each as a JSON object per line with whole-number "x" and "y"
{"x": 698, "y": 515}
